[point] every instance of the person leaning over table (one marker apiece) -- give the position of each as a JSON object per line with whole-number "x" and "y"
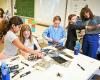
{"x": 28, "y": 39}
{"x": 12, "y": 42}
{"x": 55, "y": 33}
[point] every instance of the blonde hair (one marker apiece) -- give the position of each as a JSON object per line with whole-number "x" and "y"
{"x": 57, "y": 18}
{"x": 24, "y": 28}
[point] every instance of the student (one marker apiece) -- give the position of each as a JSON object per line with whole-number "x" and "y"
{"x": 90, "y": 39}
{"x": 12, "y": 42}
{"x": 71, "y": 34}
{"x": 55, "y": 33}
{"x": 27, "y": 39}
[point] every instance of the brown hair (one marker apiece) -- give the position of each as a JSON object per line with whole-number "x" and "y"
{"x": 3, "y": 26}
{"x": 2, "y": 12}
{"x": 24, "y": 28}
{"x": 14, "y": 20}
{"x": 57, "y": 18}
{"x": 85, "y": 10}
{"x": 70, "y": 17}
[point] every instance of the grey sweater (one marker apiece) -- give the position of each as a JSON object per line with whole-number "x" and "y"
{"x": 95, "y": 21}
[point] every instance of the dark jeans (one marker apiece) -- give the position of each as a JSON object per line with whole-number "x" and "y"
{"x": 90, "y": 45}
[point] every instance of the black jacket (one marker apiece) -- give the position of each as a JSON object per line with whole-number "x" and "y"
{"x": 71, "y": 34}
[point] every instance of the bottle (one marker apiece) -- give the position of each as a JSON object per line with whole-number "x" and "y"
{"x": 5, "y": 71}
{"x": 98, "y": 51}
{"x": 77, "y": 48}
{"x": 0, "y": 73}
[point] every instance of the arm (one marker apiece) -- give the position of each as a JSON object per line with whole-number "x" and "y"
{"x": 79, "y": 27}
{"x": 98, "y": 21}
{"x": 46, "y": 34}
{"x": 63, "y": 36}
{"x": 18, "y": 44}
{"x": 90, "y": 28}
{"x": 92, "y": 24}
{"x": 89, "y": 25}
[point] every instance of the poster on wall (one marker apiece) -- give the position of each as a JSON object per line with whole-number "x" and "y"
{"x": 76, "y": 5}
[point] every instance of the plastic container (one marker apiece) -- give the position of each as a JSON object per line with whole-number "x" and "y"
{"x": 5, "y": 72}
{"x": 77, "y": 48}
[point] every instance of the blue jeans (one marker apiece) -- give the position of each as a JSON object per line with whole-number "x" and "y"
{"x": 90, "y": 45}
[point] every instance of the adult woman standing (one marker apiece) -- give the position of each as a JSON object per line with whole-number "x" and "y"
{"x": 90, "y": 39}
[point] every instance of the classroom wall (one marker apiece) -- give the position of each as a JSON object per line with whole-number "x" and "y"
{"x": 38, "y": 33}
{"x": 3, "y": 4}
{"x": 6, "y": 5}
{"x": 75, "y": 6}
{"x": 45, "y": 10}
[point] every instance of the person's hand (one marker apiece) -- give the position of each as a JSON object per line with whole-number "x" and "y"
{"x": 38, "y": 54}
{"x": 82, "y": 33}
{"x": 98, "y": 25}
{"x": 55, "y": 41}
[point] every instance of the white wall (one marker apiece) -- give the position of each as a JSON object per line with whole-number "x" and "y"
{"x": 75, "y": 6}
{"x": 3, "y": 4}
{"x": 6, "y": 5}
{"x": 45, "y": 10}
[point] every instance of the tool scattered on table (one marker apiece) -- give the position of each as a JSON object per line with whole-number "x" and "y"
{"x": 17, "y": 72}
{"x": 32, "y": 58}
{"x": 13, "y": 68}
{"x": 24, "y": 63}
{"x": 46, "y": 51}
{"x": 59, "y": 74}
{"x": 15, "y": 58}
{"x": 25, "y": 74}
{"x": 81, "y": 67}
{"x": 67, "y": 55}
